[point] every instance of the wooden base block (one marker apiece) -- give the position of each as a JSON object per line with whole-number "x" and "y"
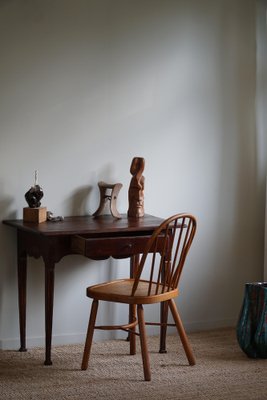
{"x": 37, "y": 214}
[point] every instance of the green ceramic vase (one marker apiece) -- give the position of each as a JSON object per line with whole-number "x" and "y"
{"x": 252, "y": 323}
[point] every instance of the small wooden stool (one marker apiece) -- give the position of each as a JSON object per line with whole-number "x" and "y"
{"x": 108, "y": 192}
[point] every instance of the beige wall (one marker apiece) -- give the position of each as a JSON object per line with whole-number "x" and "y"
{"x": 88, "y": 85}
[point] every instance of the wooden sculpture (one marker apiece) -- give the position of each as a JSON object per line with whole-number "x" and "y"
{"x": 136, "y": 188}
{"x": 34, "y": 213}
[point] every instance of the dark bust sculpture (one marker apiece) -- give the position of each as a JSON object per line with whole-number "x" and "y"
{"x": 34, "y": 194}
{"x": 136, "y": 188}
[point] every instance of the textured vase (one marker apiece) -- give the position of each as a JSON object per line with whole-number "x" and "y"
{"x": 252, "y": 323}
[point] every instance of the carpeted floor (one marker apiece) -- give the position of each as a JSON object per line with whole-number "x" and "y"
{"x": 222, "y": 372}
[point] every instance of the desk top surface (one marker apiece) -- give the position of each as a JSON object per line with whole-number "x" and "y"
{"x": 88, "y": 225}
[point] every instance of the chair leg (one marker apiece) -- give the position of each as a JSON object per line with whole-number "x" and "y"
{"x": 163, "y": 327}
{"x": 132, "y": 335}
{"x": 164, "y": 312}
{"x": 89, "y": 337}
{"x": 181, "y": 332}
{"x": 134, "y": 262}
{"x": 143, "y": 342}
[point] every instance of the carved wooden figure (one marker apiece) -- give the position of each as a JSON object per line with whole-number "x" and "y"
{"x": 136, "y": 188}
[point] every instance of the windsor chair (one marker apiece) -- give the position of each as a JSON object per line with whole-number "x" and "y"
{"x": 156, "y": 280}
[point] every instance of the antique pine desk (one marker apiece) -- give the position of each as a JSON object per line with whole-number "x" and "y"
{"x": 96, "y": 238}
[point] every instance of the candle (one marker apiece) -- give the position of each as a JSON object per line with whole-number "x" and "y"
{"x": 36, "y": 177}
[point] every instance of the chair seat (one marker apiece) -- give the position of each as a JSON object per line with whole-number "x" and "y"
{"x": 120, "y": 291}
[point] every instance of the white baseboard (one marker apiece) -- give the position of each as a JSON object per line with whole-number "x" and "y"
{"x": 57, "y": 340}
{"x": 209, "y": 325}
{"x": 14, "y": 344}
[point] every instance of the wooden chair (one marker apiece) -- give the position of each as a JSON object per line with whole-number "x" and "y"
{"x": 160, "y": 268}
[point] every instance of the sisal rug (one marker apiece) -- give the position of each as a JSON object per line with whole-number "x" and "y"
{"x": 222, "y": 372}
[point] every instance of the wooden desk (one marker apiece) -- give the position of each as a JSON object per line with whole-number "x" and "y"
{"x": 104, "y": 237}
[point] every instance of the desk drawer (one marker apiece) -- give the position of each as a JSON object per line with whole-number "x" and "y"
{"x": 101, "y": 248}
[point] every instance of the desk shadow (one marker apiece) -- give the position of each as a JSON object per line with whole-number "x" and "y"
{"x": 5, "y": 212}
{"x": 7, "y": 248}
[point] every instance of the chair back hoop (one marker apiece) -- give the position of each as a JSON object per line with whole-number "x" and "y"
{"x": 167, "y": 249}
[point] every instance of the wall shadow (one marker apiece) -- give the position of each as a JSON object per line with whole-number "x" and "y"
{"x": 78, "y": 202}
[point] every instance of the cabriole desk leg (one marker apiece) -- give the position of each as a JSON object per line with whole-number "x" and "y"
{"x": 49, "y": 301}
{"x": 22, "y": 279}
